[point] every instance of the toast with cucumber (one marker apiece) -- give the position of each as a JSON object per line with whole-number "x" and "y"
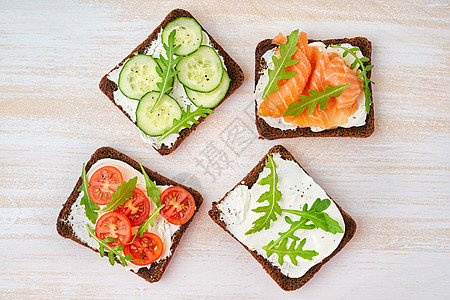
{"x": 172, "y": 81}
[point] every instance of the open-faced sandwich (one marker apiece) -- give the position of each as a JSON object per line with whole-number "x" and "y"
{"x": 172, "y": 81}
{"x": 313, "y": 88}
{"x": 128, "y": 213}
{"x": 287, "y": 222}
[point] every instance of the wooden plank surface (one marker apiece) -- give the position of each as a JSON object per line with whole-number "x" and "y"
{"x": 395, "y": 184}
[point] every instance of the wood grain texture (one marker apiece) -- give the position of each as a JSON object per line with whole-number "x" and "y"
{"x": 395, "y": 184}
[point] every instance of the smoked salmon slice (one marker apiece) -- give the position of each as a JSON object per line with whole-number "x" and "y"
{"x": 315, "y": 70}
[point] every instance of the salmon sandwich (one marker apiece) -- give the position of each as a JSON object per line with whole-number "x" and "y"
{"x": 313, "y": 88}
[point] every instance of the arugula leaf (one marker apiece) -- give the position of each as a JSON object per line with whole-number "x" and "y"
{"x": 359, "y": 63}
{"x": 280, "y": 64}
{"x": 111, "y": 250}
{"x": 273, "y": 196}
{"x": 186, "y": 120}
{"x": 122, "y": 194}
{"x": 144, "y": 226}
{"x": 152, "y": 190}
{"x": 282, "y": 250}
{"x": 169, "y": 64}
{"x": 317, "y": 217}
{"x": 319, "y": 204}
{"x": 310, "y": 102}
{"x": 89, "y": 206}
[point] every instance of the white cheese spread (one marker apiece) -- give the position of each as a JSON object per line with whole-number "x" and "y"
{"x": 356, "y": 119}
{"x": 162, "y": 228}
{"x": 297, "y": 188}
{"x": 178, "y": 93}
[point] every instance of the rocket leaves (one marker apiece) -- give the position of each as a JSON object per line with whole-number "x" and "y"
{"x": 280, "y": 64}
{"x": 144, "y": 226}
{"x": 359, "y": 63}
{"x": 317, "y": 217}
{"x": 122, "y": 194}
{"x": 310, "y": 102}
{"x": 169, "y": 71}
{"x": 281, "y": 250}
{"x": 112, "y": 251}
{"x": 288, "y": 244}
{"x": 273, "y": 196}
{"x": 186, "y": 120}
{"x": 152, "y": 190}
{"x": 89, "y": 206}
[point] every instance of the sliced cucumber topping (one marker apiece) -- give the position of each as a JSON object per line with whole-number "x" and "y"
{"x": 138, "y": 76}
{"x": 213, "y": 98}
{"x": 161, "y": 119}
{"x": 188, "y": 35}
{"x": 163, "y": 68}
{"x": 201, "y": 71}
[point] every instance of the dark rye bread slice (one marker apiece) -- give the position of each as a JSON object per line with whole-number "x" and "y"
{"x": 268, "y": 132}
{"x": 285, "y": 282}
{"x": 235, "y": 72}
{"x": 64, "y": 228}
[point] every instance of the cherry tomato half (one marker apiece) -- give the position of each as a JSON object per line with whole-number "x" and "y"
{"x": 137, "y": 208}
{"x": 145, "y": 250}
{"x": 179, "y": 205}
{"x": 115, "y": 225}
{"x": 103, "y": 184}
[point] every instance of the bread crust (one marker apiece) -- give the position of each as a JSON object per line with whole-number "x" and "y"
{"x": 235, "y": 73}
{"x": 285, "y": 282}
{"x": 64, "y": 228}
{"x": 270, "y": 133}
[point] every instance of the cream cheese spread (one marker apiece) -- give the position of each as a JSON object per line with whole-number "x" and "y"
{"x": 355, "y": 120}
{"x": 297, "y": 188}
{"x": 178, "y": 93}
{"x": 161, "y": 227}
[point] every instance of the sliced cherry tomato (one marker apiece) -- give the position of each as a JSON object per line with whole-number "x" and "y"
{"x": 137, "y": 208}
{"x": 145, "y": 250}
{"x": 179, "y": 205}
{"x": 115, "y": 225}
{"x": 103, "y": 184}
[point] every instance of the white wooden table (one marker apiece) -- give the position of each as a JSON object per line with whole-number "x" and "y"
{"x": 395, "y": 184}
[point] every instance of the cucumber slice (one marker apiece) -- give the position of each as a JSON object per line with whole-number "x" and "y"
{"x": 138, "y": 76}
{"x": 163, "y": 68}
{"x": 201, "y": 71}
{"x": 211, "y": 99}
{"x": 161, "y": 119}
{"x": 188, "y": 35}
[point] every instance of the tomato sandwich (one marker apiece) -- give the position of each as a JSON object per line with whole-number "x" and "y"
{"x": 127, "y": 213}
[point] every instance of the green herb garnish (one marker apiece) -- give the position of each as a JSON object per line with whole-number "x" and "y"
{"x": 186, "y": 120}
{"x": 89, "y": 206}
{"x": 292, "y": 251}
{"x": 280, "y": 64}
{"x": 111, "y": 250}
{"x": 273, "y": 196}
{"x": 152, "y": 190}
{"x": 359, "y": 63}
{"x": 310, "y": 102}
{"x": 144, "y": 226}
{"x": 169, "y": 71}
{"x": 122, "y": 194}
{"x": 317, "y": 217}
